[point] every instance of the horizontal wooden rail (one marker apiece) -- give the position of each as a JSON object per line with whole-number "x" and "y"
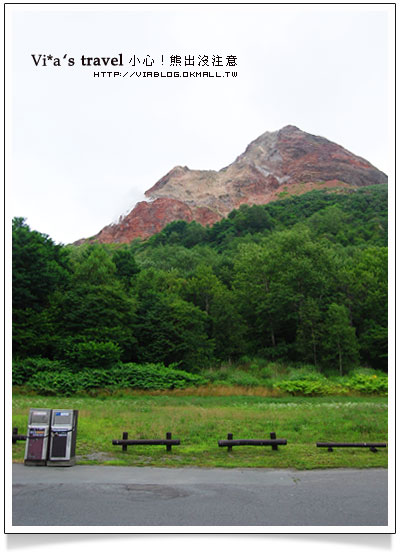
{"x": 16, "y": 437}
{"x": 273, "y": 441}
{"x": 370, "y": 446}
{"x": 125, "y": 441}
{"x": 260, "y": 442}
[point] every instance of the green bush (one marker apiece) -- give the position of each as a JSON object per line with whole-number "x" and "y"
{"x": 274, "y": 369}
{"x": 306, "y": 373}
{"x": 368, "y": 384}
{"x": 23, "y": 370}
{"x": 245, "y": 360}
{"x": 152, "y": 376}
{"x": 243, "y": 378}
{"x": 266, "y": 373}
{"x": 89, "y": 380}
{"x": 309, "y": 383}
{"x": 93, "y": 354}
{"x": 215, "y": 375}
{"x": 54, "y": 383}
{"x": 122, "y": 376}
{"x": 253, "y": 369}
{"x": 308, "y": 387}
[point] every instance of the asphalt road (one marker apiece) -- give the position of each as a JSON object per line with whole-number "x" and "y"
{"x": 128, "y": 496}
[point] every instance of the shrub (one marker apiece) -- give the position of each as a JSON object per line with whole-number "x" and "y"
{"x": 122, "y": 376}
{"x": 369, "y": 384}
{"x": 309, "y": 387}
{"x": 275, "y": 369}
{"x": 306, "y": 373}
{"x": 245, "y": 360}
{"x": 153, "y": 376}
{"x": 254, "y": 369}
{"x": 23, "y": 370}
{"x": 243, "y": 379}
{"x": 214, "y": 375}
{"x": 93, "y": 354}
{"x": 302, "y": 387}
{"x": 50, "y": 383}
{"x": 266, "y": 373}
{"x": 92, "y": 379}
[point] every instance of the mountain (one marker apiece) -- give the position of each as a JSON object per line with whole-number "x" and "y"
{"x": 284, "y": 162}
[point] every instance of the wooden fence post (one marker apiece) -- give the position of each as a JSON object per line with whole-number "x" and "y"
{"x": 124, "y": 436}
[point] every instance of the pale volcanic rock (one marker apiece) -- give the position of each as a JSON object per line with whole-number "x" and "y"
{"x": 288, "y": 160}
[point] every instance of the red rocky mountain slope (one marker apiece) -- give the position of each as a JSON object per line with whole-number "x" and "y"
{"x": 288, "y": 161}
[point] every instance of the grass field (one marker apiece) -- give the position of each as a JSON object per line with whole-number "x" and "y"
{"x": 199, "y": 420}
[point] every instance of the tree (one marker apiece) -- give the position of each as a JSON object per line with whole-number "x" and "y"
{"x": 272, "y": 281}
{"x": 171, "y": 330}
{"x": 93, "y": 306}
{"x": 126, "y": 267}
{"x": 374, "y": 344}
{"x": 367, "y": 278}
{"x": 94, "y": 265}
{"x": 309, "y": 331}
{"x": 251, "y": 219}
{"x": 39, "y": 267}
{"x": 339, "y": 341}
{"x": 100, "y": 313}
{"x": 226, "y": 327}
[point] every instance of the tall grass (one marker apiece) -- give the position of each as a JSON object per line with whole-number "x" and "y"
{"x": 199, "y": 421}
{"x": 259, "y": 376}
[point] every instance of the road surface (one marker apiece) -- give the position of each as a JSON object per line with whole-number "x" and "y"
{"x": 130, "y": 496}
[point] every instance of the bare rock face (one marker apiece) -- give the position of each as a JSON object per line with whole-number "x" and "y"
{"x": 288, "y": 160}
{"x": 147, "y": 219}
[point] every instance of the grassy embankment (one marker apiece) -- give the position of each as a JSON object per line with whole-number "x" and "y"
{"x": 199, "y": 418}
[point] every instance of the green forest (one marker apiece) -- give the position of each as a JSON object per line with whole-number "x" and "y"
{"x": 301, "y": 281}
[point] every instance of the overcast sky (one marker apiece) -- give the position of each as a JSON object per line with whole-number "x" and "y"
{"x": 83, "y": 150}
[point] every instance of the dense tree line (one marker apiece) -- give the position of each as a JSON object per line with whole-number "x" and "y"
{"x": 303, "y": 279}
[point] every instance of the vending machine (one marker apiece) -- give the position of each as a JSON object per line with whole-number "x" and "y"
{"x": 37, "y": 438}
{"x": 63, "y": 438}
